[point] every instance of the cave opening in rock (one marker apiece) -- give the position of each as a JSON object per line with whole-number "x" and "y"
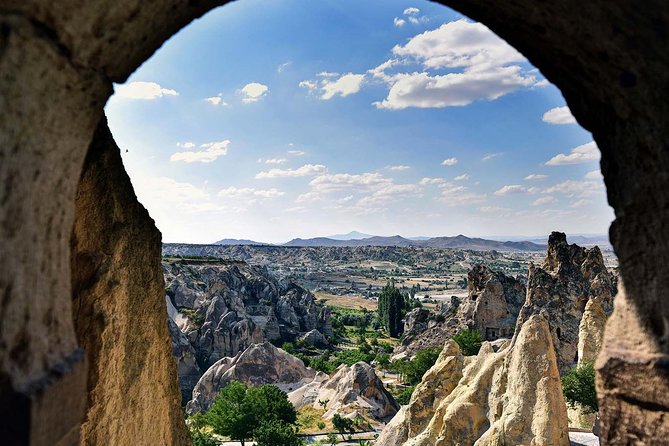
{"x": 64, "y": 60}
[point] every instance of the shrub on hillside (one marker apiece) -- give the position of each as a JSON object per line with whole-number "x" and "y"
{"x": 469, "y": 341}
{"x": 578, "y": 386}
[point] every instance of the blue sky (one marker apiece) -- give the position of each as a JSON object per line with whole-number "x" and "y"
{"x": 277, "y": 119}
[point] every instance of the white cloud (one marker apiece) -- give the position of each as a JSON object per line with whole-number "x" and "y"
{"x": 426, "y": 181}
{"x": 162, "y": 195}
{"x": 449, "y": 162}
{"x": 308, "y": 197}
{"x": 593, "y": 175}
{"x": 511, "y": 189}
{"x": 282, "y": 67}
{"x": 398, "y": 168}
{"x": 253, "y": 92}
{"x": 581, "y": 154}
{"x": 411, "y": 11}
{"x": 305, "y": 171}
{"x": 399, "y": 22}
{"x": 186, "y": 145}
{"x": 421, "y": 90}
{"x": 489, "y": 68}
{"x": 535, "y": 177}
{"x": 245, "y": 192}
{"x": 296, "y": 152}
{"x": 328, "y": 74}
{"x": 576, "y": 188}
{"x": 490, "y": 156}
{"x": 389, "y": 192}
{"x": 211, "y": 151}
{"x": 344, "y": 181}
{"x": 559, "y": 116}
{"x": 296, "y": 209}
{"x": 346, "y": 85}
{"x": 217, "y": 100}
{"x": 462, "y": 177}
{"x": 143, "y": 90}
{"x": 309, "y": 85}
{"x": 275, "y": 161}
{"x": 580, "y": 203}
{"x": 454, "y": 195}
{"x": 544, "y": 201}
{"x": 460, "y": 44}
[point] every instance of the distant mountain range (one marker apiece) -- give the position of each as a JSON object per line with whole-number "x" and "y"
{"x": 356, "y": 238}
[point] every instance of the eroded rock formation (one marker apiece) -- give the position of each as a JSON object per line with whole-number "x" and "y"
{"x": 513, "y": 396}
{"x": 258, "y": 364}
{"x": 493, "y": 302}
{"x": 119, "y": 309}
{"x": 229, "y": 306}
{"x": 569, "y": 278}
{"x": 350, "y": 391}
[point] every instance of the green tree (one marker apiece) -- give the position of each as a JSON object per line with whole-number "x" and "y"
{"x": 331, "y": 439}
{"x": 276, "y": 433}
{"x": 578, "y": 386}
{"x": 239, "y": 410}
{"x": 343, "y": 425}
{"x": 391, "y": 309}
{"x": 469, "y": 341}
{"x": 230, "y": 415}
{"x": 420, "y": 364}
{"x": 198, "y": 435}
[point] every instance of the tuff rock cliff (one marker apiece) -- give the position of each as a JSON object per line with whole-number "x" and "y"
{"x": 512, "y": 396}
{"x": 223, "y": 307}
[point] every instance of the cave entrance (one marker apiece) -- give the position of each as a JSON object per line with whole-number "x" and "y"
{"x": 64, "y": 59}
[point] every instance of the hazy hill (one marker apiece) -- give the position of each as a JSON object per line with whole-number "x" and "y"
{"x": 234, "y": 241}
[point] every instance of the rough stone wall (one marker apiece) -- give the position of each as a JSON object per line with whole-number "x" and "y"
{"x": 57, "y": 59}
{"x": 119, "y": 309}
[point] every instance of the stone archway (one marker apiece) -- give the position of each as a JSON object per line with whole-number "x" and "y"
{"x": 57, "y": 62}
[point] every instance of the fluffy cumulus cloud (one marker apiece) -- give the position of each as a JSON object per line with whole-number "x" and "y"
{"x": 217, "y": 100}
{"x": 143, "y": 90}
{"x": 576, "y": 188}
{"x": 399, "y": 22}
{"x": 449, "y": 162}
{"x": 253, "y": 92}
{"x": 333, "y": 84}
{"x": 308, "y": 170}
{"x": 462, "y": 177}
{"x": 485, "y": 67}
{"x": 431, "y": 181}
{"x": 536, "y": 177}
{"x": 510, "y": 189}
{"x": 559, "y": 116}
{"x": 208, "y": 152}
{"x": 593, "y": 175}
{"x": 582, "y": 154}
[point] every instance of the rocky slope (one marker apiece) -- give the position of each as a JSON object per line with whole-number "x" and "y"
{"x": 351, "y": 391}
{"x": 513, "y": 396}
{"x": 220, "y": 308}
{"x": 258, "y": 364}
{"x": 570, "y": 278}
{"x": 492, "y": 305}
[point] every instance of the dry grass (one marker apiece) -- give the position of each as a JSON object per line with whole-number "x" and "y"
{"x": 353, "y": 302}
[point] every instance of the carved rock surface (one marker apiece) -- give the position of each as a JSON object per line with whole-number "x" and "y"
{"x": 513, "y": 396}
{"x": 258, "y": 364}
{"x": 119, "y": 309}
{"x": 591, "y": 331}
{"x": 351, "y": 390}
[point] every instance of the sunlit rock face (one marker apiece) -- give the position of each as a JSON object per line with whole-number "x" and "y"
{"x": 223, "y": 307}
{"x": 513, "y": 396}
{"x": 258, "y": 364}
{"x": 350, "y": 391}
{"x": 493, "y": 302}
{"x": 560, "y": 289}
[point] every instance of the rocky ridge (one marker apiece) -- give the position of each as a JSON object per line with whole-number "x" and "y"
{"x": 220, "y": 308}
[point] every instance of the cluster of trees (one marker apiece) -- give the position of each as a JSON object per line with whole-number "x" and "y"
{"x": 261, "y": 413}
{"x": 469, "y": 341}
{"x": 391, "y": 309}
